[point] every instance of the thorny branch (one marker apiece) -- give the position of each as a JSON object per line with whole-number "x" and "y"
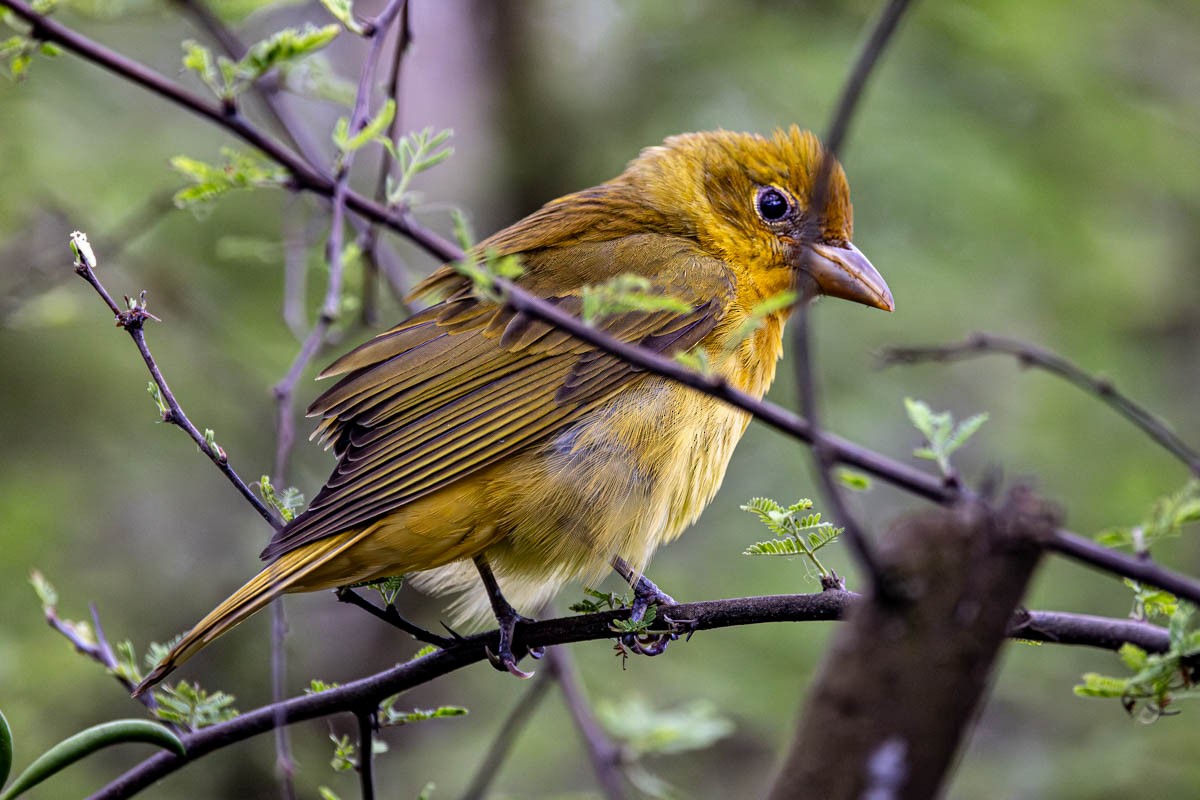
{"x": 132, "y": 321}
{"x": 1030, "y": 355}
{"x": 709, "y": 615}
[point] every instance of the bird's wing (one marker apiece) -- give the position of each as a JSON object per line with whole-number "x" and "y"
{"x": 467, "y": 383}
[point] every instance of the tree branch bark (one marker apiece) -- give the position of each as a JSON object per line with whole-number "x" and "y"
{"x": 904, "y": 676}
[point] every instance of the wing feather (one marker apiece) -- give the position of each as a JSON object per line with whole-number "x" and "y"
{"x": 465, "y": 384}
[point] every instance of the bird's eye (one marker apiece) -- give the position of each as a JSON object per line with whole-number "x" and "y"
{"x": 773, "y": 205}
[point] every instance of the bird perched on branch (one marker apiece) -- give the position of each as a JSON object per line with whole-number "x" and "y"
{"x": 475, "y": 442}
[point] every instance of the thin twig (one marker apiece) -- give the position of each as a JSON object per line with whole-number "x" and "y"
{"x": 823, "y": 457}
{"x": 366, "y": 753}
{"x": 1069, "y": 629}
{"x": 606, "y": 757}
{"x": 96, "y": 648}
{"x": 368, "y": 238}
{"x": 330, "y": 306}
{"x": 132, "y": 321}
{"x": 506, "y": 737}
{"x": 1030, "y": 355}
{"x": 392, "y": 617}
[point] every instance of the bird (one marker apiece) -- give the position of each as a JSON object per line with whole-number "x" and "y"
{"x": 477, "y": 446}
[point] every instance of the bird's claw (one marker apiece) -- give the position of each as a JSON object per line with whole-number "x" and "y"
{"x": 506, "y": 662}
{"x": 651, "y": 643}
{"x": 503, "y": 659}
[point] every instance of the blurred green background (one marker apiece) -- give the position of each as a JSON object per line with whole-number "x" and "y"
{"x": 1021, "y": 167}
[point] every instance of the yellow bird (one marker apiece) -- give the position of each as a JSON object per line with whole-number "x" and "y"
{"x": 474, "y": 442}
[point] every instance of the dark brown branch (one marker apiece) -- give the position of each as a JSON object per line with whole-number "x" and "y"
{"x": 366, "y": 754}
{"x": 903, "y": 679}
{"x": 502, "y": 745}
{"x": 132, "y": 321}
{"x": 1030, "y": 355}
{"x": 709, "y": 615}
{"x": 392, "y": 617}
{"x": 824, "y": 457}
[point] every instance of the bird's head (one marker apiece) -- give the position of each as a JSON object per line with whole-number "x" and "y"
{"x": 746, "y": 198}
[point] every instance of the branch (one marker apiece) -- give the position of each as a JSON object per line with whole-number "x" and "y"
{"x": 710, "y": 615}
{"x": 1030, "y": 355}
{"x": 892, "y": 718}
{"x": 132, "y": 321}
{"x": 824, "y": 459}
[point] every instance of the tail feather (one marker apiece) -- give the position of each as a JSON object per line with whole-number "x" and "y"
{"x": 274, "y": 580}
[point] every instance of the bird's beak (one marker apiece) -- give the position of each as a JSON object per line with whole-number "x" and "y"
{"x": 846, "y": 273}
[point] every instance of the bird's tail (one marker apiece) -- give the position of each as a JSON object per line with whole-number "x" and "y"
{"x": 285, "y": 574}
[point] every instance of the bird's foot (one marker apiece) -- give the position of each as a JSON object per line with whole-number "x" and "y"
{"x": 507, "y": 618}
{"x": 647, "y": 595}
{"x": 503, "y": 659}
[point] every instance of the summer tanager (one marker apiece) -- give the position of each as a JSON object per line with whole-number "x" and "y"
{"x": 472, "y": 437}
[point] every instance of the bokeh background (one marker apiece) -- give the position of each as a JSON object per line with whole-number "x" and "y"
{"x": 1021, "y": 167}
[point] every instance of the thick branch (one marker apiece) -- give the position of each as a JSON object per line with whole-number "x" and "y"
{"x": 903, "y": 678}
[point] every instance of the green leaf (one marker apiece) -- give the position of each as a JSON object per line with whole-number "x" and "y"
{"x": 415, "y": 153}
{"x": 852, "y": 479}
{"x": 348, "y": 141}
{"x": 44, "y": 589}
{"x": 327, "y": 793}
{"x": 427, "y": 791}
{"x": 1133, "y": 656}
{"x": 240, "y": 170}
{"x": 646, "y": 730}
{"x": 427, "y": 650}
{"x": 775, "y": 547}
{"x": 85, "y": 743}
{"x": 625, "y": 293}
{"x": 283, "y": 47}
{"x": 199, "y": 59}
{"x": 941, "y": 434}
{"x": 188, "y": 705}
{"x": 389, "y": 716}
{"x": 343, "y": 12}
{"x": 757, "y": 316}
{"x": 316, "y": 686}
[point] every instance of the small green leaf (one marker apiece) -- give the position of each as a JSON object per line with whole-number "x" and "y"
{"x": 625, "y": 293}
{"x": 389, "y": 716}
{"x": 316, "y": 686}
{"x": 646, "y": 730}
{"x": 343, "y": 12}
{"x": 427, "y": 791}
{"x": 44, "y": 589}
{"x": 427, "y": 650}
{"x": 282, "y": 47}
{"x": 348, "y": 141}
{"x": 852, "y": 479}
{"x": 85, "y": 743}
{"x": 188, "y": 705}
